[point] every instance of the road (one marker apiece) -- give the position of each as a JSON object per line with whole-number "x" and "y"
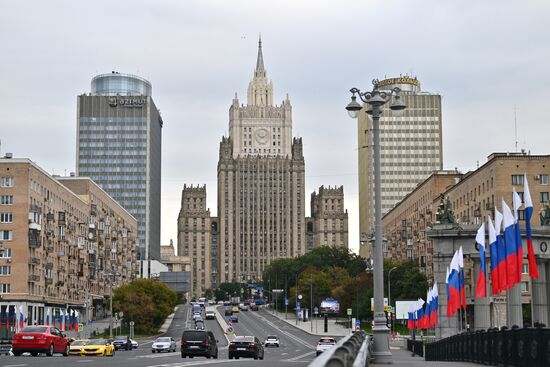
{"x": 296, "y": 346}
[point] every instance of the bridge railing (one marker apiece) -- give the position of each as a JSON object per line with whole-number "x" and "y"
{"x": 351, "y": 351}
{"x": 507, "y": 347}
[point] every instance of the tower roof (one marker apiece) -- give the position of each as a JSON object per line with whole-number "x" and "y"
{"x": 260, "y": 71}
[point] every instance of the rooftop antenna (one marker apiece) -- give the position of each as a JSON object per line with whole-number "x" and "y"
{"x": 516, "y": 128}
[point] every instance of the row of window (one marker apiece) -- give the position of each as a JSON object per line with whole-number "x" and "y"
{"x": 92, "y": 152}
{"x": 119, "y": 144}
{"x": 114, "y": 161}
{"x": 113, "y": 119}
{"x": 113, "y": 127}
{"x": 112, "y": 136}
{"x": 6, "y": 200}
{"x": 7, "y": 182}
{"x": 518, "y": 179}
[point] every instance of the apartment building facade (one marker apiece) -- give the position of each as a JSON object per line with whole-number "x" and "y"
{"x": 62, "y": 239}
{"x": 329, "y": 217}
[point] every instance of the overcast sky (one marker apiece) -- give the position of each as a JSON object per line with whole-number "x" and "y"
{"x": 483, "y": 57}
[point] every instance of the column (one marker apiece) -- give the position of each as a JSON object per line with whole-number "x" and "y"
{"x": 515, "y": 312}
{"x": 482, "y": 310}
{"x": 539, "y": 294}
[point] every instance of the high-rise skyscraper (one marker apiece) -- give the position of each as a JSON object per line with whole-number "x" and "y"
{"x": 261, "y": 202}
{"x": 119, "y": 147}
{"x": 411, "y": 149}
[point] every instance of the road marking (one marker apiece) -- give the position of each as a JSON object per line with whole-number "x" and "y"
{"x": 196, "y": 363}
{"x": 295, "y": 338}
{"x": 15, "y": 365}
{"x": 293, "y": 359}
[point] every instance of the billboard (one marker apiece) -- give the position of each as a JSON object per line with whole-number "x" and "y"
{"x": 402, "y": 309}
{"x": 329, "y": 305}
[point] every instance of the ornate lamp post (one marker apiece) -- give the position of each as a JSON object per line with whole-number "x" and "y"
{"x": 375, "y": 100}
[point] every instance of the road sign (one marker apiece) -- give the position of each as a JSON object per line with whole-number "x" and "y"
{"x": 349, "y": 311}
{"x": 357, "y": 325}
{"x": 230, "y": 330}
{"x": 277, "y": 290}
{"x": 132, "y": 323}
{"x": 298, "y": 308}
{"x": 121, "y": 314}
{"x": 316, "y": 310}
{"x": 230, "y": 323}
{"x": 286, "y": 301}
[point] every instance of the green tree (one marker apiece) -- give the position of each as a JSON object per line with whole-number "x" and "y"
{"x": 146, "y": 302}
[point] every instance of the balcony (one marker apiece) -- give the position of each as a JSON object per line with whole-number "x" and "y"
{"x": 49, "y": 281}
{"x": 35, "y": 261}
{"x": 35, "y": 226}
{"x": 49, "y": 249}
{"x": 34, "y": 238}
{"x": 34, "y": 278}
{"x": 49, "y": 265}
{"x": 61, "y": 268}
{"x": 80, "y": 273}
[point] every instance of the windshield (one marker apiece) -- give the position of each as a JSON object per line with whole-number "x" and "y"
{"x": 34, "y": 329}
{"x": 271, "y": 337}
{"x": 194, "y": 335}
{"x": 327, "y": 341}
{"x": 121, "y": 337}
{"x": 244, "y": 339}
{"x": 163, "y": 340}
{"x": 78, "y": 342}
{"x": 95, "y": 342}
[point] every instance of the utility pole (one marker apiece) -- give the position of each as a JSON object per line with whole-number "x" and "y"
{"x": 286, "y": 297}
{"x": 311, "y": 304}
{"x": 85, "y": 311}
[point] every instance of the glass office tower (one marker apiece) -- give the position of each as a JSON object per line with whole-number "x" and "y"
{"x": 119, "y": 147}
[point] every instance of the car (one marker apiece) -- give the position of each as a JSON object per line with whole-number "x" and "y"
{"x": 202, "y": 301}
{"x": 76, "y": 346}
{"x": 253, "y": 307}
{"x": 246, "y": 346}
{"x": 325, "y": 343}
{"x": 98, "y": 347}
{"x": 210, "y": 315}
{"x": 220, "y": 303}
{"x": 228, "y": 311}
{"x": 197, "y": 317}
{"x": 122, "y": 342}
{"x": 235, "y": 317}
{"x": 199, "y": 326}
{"x": 271, "y": 340}
{"x": 40, "y": 339}
{"x": 135, "y": 344}
{"x": 244, "y": 308}
{"x": 199, "y": 343}
{"x": 226, "y": 303}
{"x": 235, "y": 309}
{"x": 164, "y": 343}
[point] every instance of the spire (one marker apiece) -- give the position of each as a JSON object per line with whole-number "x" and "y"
{"x": 260, "y": 71}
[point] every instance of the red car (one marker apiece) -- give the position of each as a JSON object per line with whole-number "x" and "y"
{"x": 40, "y": 339}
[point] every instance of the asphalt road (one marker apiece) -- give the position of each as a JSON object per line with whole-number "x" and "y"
{"x": 296, "y": 347}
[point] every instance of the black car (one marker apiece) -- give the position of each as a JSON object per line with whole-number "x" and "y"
{"x": 199, "y": 343}
{"x": 228, "y": 311}
{"x": 122, "y": 342}
{"x": 246, "y": 346}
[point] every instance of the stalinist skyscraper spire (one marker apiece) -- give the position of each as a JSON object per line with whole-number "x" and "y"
{"x": 260, "y": 184}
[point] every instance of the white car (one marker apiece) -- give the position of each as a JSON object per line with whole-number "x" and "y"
{"x": 197, "y": 316}
{"x": 135, "y": 344}
{"x": 164, "y": 344}
{"x": 325, "y": 343}
{"x": 271, "y": 340}
{"x": 210, "y": 315}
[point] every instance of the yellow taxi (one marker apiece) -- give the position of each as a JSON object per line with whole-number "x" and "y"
{"x": 76, "y": 346}
{"x": 235, "y": 309}
{"x": 98, "y": 347}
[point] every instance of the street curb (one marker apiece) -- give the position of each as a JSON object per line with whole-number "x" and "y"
{"x": 223, "y": 324}
{"x": 166, "y": 325}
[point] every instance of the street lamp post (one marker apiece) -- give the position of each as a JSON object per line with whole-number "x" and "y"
{"x": 389, "y": 294}
{"x": 375, "y": 100}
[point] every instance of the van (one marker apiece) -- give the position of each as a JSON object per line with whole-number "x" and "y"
{"x": 199, "y": 343}
{"x": 197, "y": 308}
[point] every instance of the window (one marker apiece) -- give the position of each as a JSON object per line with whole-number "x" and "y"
{"x": 543, "y": 179}
{"x": 524, "y": 287}
{"x": 5, "y": 253}
{"x": 525, "y": 269}
{"x": 7, "y": 181}
{"x": 6, "y": 217}
{"x": 6, "y": 200}
{"x": 544, "y": 197}
{"x": 6, "y": 235}
{"x": 4, "y": 288}
{"x": 5, "y": 270}
{"x": 517, "y": 179}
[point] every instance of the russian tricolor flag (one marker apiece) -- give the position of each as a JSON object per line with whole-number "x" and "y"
{"x": 516, "y": 200}
{"x": 461, "y": 278}
{"x": 47, "y": 317}
{"x": 454, "y": 287}
{"x": 481, "y": 286}
{"x": 435, "y": 306}
{"x": 447, "y": 279}
{"x": 21, "y": 317}
{"x": 501, "y": 253}
{"x": 495, "y": 277}
{"x": 533, "y": 270}
{"x": 511, "y": 247}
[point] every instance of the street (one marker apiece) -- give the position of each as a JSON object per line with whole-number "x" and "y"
{"x": 296, "y": 346}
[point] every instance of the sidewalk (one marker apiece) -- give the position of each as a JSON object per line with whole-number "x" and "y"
{"x": 313, "y": 326}
{"x": 402, "y": 357}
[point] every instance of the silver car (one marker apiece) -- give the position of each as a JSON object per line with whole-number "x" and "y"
{"x": 165, "y": 344}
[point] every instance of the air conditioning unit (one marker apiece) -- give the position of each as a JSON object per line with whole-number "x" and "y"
{"x": 9, "y": 260}
{"x": 537, "y": 177}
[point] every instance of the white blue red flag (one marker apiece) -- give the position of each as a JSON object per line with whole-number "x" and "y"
{"x": 533, "y": 270}
{"x": 481, "y": 286}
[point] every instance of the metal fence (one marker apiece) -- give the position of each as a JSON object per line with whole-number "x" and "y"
{"x": 527, "y": 347}
{"x": 416, "y": 346}
{"x": 351, "y": 351}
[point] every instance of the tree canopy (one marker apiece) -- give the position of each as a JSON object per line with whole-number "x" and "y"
{"x": 146, "y": 302}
